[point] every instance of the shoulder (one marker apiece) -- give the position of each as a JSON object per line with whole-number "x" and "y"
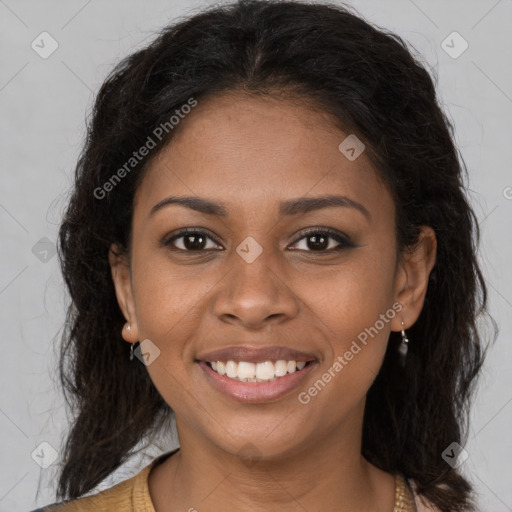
{"x": 56, "y": 507}
{"x": 131, "y": 495}
{"x": 121, "y": 498}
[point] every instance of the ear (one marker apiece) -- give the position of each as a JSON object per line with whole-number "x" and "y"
{"x": 121, "y": 276}
{"x": 412, "y": 275}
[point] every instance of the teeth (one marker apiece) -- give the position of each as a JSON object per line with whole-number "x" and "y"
{"x": 256, "y": 372}
{"x": 281, "y": 368}
{"x": 264, "y": 371}
{"x": 246, "y": 370}
{"x": 231, "y": 369}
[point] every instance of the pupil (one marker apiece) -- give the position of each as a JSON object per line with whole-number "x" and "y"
{"x": 194, "y": 246}
{"x": 316, "y": 244}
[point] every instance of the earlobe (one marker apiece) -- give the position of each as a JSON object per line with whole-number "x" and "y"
{"x": 128, "y": 333}
{"x": 413, "y": 276}
{"x": 121, "y": 277}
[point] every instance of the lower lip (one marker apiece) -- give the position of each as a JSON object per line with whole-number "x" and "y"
{"x": 257, "y": 392}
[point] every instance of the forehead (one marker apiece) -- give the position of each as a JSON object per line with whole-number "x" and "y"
{"x": 251, "y": 151}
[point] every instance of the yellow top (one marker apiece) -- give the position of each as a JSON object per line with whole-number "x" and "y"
{"x": 132, "y": 495}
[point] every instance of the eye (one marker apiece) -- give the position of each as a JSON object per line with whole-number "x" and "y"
{"x": 191, "y": 240}
{"x": 318, "y": 240}
{"x": 315, "y": 240}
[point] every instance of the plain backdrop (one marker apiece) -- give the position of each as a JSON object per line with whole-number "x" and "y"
{"x": 44, "y": 103}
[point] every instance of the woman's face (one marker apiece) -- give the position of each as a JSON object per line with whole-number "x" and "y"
{"x": 254, "y": 278}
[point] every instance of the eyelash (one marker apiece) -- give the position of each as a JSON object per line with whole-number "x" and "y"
{"x": 343, "y": 240}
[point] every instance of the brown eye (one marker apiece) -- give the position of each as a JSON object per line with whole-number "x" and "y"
{"x": 321, "y": 241}
{"x": 189, "y": 241}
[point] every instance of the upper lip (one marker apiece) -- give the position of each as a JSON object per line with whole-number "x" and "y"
{"x": 256, "y": 354}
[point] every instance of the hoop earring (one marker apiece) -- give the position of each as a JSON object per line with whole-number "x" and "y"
{"x": 403, "y": 347}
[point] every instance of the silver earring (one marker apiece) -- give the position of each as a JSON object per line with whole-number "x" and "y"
{"x": 403, "y": 347}
{"x": 128, "y": 327}
{"x": 132, "y": 348}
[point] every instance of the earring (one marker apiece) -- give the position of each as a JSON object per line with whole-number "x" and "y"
{"x": 132, "y": 348}
{"x": 403, "y": 347}
{"x": 128, "y": 327}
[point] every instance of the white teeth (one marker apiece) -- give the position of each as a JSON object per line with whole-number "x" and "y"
{"x": 231, "y": 369}
{"x": 246, "y": 370}
{"x": 256, "y": 372}
{"x": 280, "y": 368}
{"x": 291, "y": 366}
{"x": 265, "y": 371}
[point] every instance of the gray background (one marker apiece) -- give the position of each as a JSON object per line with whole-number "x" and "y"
{"x": 44, "y": 103}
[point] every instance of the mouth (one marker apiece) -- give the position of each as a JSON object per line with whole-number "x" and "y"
{"x": 264, "y": 371}
{"x": 259, "y": 382}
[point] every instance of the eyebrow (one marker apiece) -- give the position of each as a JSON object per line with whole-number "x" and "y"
{"x": 291, "y": 207}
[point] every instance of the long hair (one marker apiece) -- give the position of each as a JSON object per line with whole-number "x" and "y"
{"x": 372, "y": 84}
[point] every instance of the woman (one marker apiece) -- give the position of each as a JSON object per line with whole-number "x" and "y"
{"x": 270, "y": 210}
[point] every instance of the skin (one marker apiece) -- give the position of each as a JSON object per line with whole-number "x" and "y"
{"x": 250, "y": 154}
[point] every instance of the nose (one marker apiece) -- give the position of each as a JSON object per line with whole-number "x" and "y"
{"x": 255, "y": 294}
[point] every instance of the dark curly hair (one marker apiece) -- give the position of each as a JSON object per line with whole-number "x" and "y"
{"x": 374, "y": 86}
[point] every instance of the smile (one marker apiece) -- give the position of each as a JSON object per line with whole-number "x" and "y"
{"x": 263, "y": 382}
{"x": 265, "y": 371}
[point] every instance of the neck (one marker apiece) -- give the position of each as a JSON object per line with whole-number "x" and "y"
{"x": 327, "y": 474}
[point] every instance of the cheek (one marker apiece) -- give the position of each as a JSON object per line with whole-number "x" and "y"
{"x": 168, "y": 302}
{"x": 168, "y": 308}
{"x": 353, "y": 308}
{"x": 358, "y": 339}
